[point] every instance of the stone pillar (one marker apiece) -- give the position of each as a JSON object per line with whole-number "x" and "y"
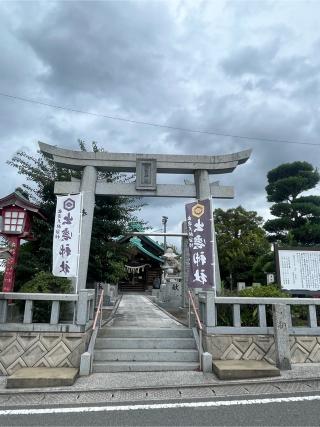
{"x": 82, "y": 308}
{"x": 210, "y": 312}
{"x": 87, "y": 187}
{"x": 206, "y": 362}
{"x": 201, "y": 179}
{"x": 241, "y": 286}
{"x": 3, "y": 310}
{"x": 281, "y": 336}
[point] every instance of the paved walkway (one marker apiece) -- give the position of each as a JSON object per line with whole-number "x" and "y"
{"x": 137, "y": 311}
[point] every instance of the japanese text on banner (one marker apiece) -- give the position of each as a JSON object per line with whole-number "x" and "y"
{"x": 66, "y": 236}
{"x": 200, "y": 242}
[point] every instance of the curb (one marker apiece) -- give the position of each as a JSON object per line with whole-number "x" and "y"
{"x": 160, "y": 387}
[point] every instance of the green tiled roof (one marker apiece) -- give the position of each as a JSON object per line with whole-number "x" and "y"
{"x": 135, "y": 241}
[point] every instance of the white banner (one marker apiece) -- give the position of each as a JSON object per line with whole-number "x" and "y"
{"x": 67, "y": 235}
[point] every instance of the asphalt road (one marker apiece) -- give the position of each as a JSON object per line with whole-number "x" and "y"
{"x": 289, "y": 410}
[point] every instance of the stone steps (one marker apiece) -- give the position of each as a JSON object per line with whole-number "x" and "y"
{"x": 99, "y": 367}
{"x": 147, "y": 343}
{"x": 123, "y": 332}
{"x": 146, "y": 355}
{"x": 129, "y": 287}
{"x": 128, "y": 349}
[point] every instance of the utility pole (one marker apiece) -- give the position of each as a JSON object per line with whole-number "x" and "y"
{"x": 164, "y": 222}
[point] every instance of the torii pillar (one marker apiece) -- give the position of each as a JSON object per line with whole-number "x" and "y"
{"x": 88, "y": 189}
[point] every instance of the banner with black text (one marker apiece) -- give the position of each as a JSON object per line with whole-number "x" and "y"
{"x": 67, "y": 236}
{"x": 201, "y": 244}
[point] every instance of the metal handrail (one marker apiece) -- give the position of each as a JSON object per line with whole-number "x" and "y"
{"x": 195, "y": 311}
{"x": 99, "y": 310}
{"x": 199, "y": 325}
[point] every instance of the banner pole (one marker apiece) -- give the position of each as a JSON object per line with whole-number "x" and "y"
{"x": 213, "y": 248}
{"x": 79, "y": 240}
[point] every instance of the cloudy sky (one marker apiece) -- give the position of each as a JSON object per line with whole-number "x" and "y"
{"x": 234, "y": 67}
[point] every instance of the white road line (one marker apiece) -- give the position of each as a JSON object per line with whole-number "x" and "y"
{"x": 212, "y": 404}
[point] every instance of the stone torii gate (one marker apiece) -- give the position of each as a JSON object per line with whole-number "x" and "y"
{"x": 146, "y": 167}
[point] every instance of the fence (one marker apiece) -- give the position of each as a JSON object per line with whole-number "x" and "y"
{"x": 209, "y": 306}
{"x": 82, "y": 311}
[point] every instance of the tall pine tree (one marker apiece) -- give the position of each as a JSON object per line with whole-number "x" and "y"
{"x": 297, "y": 219}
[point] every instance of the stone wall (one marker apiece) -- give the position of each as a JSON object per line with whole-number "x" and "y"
{"x": 303, "y": 349}
{"x": 36, "y": 349}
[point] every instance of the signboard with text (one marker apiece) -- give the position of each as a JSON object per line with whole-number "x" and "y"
{"x": 200, "y": 243}
{"x": 298, "y": 268}
{"x": 67, "y": 236}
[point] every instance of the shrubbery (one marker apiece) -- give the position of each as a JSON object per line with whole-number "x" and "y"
{"x": 249, "y": 313}
{"x": 268, "y": 291}
{"x": 44, "y": 282}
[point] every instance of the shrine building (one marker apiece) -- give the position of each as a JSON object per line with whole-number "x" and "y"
{"x": 144, "y": 263}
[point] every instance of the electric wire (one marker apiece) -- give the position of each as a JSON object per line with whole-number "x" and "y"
{"x": 157, "y": 125}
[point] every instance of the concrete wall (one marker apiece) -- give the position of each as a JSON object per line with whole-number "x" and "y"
{"x": 47, "y": 349}
{"x": 303, "y": 349}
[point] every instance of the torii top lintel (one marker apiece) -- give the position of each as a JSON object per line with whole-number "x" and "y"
{"x": 126, "y": 162}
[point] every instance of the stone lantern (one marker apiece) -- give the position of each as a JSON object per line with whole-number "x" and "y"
{"x": 17, "y": 213}
{"x": 172, "y": 265}
{"x": 171, "y": 286}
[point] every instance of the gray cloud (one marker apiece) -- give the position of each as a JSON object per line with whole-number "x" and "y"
{"x": 113, "y": 50}
{"x": 251, "y": 60}
{"x": 246, "y": 68}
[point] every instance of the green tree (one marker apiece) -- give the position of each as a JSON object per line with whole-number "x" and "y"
{"x": 263, "y": 265}
{"x": 297, "y": 217}
{"x": 241, "y": 241}
{"x": 111, "y": 217}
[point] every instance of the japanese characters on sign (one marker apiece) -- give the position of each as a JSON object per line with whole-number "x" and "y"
{"x": 200, "y": 242}
{"x": 66, "y": 236}
{"x": 299, "y": 269}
